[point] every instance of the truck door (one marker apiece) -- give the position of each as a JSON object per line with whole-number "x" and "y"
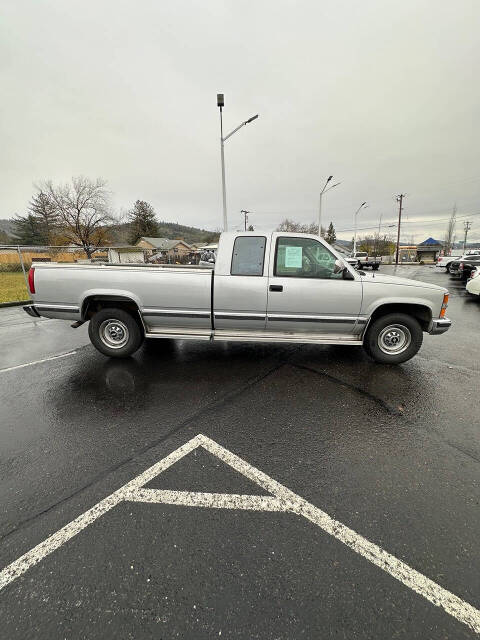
{"x": 305, "y": 296}
{"x": 240, "y": 286}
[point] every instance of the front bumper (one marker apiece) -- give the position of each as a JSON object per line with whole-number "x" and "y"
{"x": 439, "y": 325}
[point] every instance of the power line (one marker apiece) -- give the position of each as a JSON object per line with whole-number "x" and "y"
{"x": 424, "y": 222}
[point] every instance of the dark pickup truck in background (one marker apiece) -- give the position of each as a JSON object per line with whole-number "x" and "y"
{"x": 463, "y": 268}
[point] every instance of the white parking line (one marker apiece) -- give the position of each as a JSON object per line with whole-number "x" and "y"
{"x": 283, "y": 500}
{"x": 29, "y": 364}
{"x": 211, "y": 500}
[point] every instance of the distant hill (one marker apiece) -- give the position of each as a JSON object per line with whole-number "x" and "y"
{"x": 174, "y": 230}
{"x": 6, "y": 226}
{"x": 171, "y": 230}
{"x": 6, "y": 232}
{"x": 120, "y": 232}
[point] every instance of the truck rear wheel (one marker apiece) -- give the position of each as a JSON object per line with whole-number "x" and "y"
{"x": 115, "y": 333}
{"x": 393, "y": 338}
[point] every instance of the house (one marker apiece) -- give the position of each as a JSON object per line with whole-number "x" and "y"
{"x": 429, "y": 250}
{"x": 124, "y": 254}
{"x": 171, "y": 248}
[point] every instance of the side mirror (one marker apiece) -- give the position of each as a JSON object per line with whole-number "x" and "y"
{"x": 339, "y": 266}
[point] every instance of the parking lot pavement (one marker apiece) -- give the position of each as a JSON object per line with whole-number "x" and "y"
{"x": 24, "y": 339}
{"x": 391, "y": 453}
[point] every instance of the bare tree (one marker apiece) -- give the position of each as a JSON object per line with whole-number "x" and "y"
{"x": 298, "y": 227}
{"x": 450, "y": 232}
{"x": 83, "y": 211}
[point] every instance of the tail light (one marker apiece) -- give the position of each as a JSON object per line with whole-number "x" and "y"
{"x": 444, "y": 305}
{"x": 31, "y": 280}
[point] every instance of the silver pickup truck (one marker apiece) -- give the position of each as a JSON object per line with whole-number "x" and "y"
{"x": 275, "y": 287}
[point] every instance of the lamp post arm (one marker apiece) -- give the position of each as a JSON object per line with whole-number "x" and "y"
{"x": 229, "y": 135}
{"x": 333, "y": 185}
{"x": 234, "y": 131}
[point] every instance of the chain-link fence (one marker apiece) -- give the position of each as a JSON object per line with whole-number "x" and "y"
{"x": 16, "y": 260}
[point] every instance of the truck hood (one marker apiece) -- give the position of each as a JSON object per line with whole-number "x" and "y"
{"x": 387, "y": 279}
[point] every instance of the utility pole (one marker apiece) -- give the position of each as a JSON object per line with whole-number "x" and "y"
{"x": 467, "y": 224}
{"x": 245, "y": 213}
{"x": 400, "y": 198}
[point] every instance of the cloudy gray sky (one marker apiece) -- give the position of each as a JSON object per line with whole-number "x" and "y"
{"x": 384, "y": 95}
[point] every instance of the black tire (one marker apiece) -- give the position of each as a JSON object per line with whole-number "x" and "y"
{"x": 115, "y": 333}
{"x": 447, "y": 268}
{"x": 375, "y": 267}
{"x": 402, "y": 328}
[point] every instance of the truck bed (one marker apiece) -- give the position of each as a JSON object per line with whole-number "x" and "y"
{"x": 178, "y": 296}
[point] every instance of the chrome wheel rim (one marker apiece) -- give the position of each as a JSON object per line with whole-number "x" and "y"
{"x": 394, "y": 339}
{"x": 114, "y": 333}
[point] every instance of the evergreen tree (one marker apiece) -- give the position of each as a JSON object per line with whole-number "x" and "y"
{"x": 142, "y": 221}
{"x": 45, "y": 212}
{"x": 27, "y": 230}
{"x": 331, "y": 236}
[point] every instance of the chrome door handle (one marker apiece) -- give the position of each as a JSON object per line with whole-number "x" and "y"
{"x": 276, "y": 287}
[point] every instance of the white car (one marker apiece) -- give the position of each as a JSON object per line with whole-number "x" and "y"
{"x": 473, "y": 284}
{"x": 445, "y": 261}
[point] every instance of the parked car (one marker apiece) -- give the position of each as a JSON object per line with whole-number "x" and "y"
{"x": 276, "y": 287}
{"x": 473, "y": 283}
{"x": 445, "y": 261}
{"x": 462, "y": 268}
{"x": 364, "y": 260}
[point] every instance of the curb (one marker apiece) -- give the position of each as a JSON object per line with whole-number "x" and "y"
{"x": 17, "y": 303}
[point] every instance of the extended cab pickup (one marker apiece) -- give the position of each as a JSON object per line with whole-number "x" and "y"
{"x": 275, "y": 287}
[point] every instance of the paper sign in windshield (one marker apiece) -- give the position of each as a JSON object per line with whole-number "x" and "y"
{"x": 293, "y": 257}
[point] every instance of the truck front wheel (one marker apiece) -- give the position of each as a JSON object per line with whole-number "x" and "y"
{"x": 114, "y": 332}
{"x": 393, "y": 338}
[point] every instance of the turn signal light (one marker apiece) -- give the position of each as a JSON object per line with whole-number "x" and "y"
{"x": 444, "y": 305}
{"x": 31, "y": 280}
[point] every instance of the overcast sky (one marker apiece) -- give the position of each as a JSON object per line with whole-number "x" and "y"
{"x": 384, "y": 95}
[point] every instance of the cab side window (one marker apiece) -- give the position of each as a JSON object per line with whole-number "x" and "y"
{"x": 304, "y": 258}
{"x": 248, "y": 256}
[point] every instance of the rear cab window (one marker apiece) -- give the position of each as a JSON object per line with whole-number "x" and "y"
{"x": 248, "y": 256}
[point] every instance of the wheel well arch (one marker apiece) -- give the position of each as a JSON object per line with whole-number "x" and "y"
{"x": 420, "y": 312}
{"x": 92, "y": 304}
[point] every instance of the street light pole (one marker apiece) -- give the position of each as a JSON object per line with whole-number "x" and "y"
{"x": 320, "y": 202}
{"x": 220, "y": 105}
{"x": 364, "y": 204}
{"x": 400, "y": 198}
{"x": 222, "y": 156}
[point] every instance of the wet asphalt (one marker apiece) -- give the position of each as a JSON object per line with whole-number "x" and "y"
{"x": 392, "y": 452}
